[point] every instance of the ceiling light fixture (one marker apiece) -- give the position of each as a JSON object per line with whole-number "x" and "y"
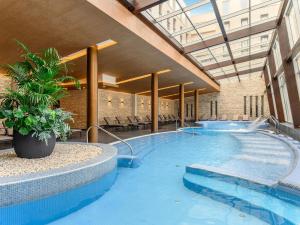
{"x": 143, "y": 76}
{"x": 164, "y": 88}
{"x": 83, "y": 52}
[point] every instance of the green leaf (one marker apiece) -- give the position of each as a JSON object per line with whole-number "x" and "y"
{"x": 9, "y": 123}
{"x": 18, "y": 113}
{"x": 24, "y": 131}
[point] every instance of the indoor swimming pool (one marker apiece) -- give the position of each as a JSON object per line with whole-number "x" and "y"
{"x": 171, "y": 186}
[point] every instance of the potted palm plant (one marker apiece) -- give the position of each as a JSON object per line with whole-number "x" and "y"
{"x": 28, "y": 107}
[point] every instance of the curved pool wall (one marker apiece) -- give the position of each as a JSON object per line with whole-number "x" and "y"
{"x": 43, "y": 197}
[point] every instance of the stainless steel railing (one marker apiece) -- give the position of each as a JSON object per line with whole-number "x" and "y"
{"x": 112, "y": 135}
{"x": 276, "y": 123}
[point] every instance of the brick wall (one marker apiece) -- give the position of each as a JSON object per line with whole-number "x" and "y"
{"x": 230, "y": 99}
{"x": 112, "y": 104}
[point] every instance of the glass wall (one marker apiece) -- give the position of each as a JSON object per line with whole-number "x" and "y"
{"x": 293, "y": 21}
{"x": 285, "y": 98}
{"x": 272, "y": 91}
{"x": 297, "y": 71}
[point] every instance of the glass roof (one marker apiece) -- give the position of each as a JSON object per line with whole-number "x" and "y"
{"x": 192, "y": 23}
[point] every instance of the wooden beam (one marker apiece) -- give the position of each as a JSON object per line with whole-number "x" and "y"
{"x": 181, "y": 104}
{"x": 196, "y": 105}
{"x": 289, "y": 73}
{"x": 236, "y": 60}
{"x": 154, "y": 102}
{"x": 240, "y": 73}
{"x": 269, "y": 92}
{"x": 245, "y": 32}
{"x": 142, "y": 5}
{"x": 275, "y": 85}
{"x": 92, "y": 93}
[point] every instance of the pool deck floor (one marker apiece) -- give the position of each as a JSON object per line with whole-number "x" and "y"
{"x": 104, "y": 138}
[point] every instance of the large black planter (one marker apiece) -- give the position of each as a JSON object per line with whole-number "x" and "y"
{"x": 30, "y": 147}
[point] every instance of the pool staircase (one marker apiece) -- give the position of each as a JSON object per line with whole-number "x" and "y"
{"x": 262, "y": 149}
{"x": 268, "y": 203}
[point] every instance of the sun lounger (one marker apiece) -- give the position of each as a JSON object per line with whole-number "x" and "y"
{"x": 214, "y": 117}
{"x": 235, "y": 117}
{"x": 223, "y": 117}
{"x": 112, "y": 123}
{"x": 126, "y": 123}
{"x": 245, "y": 118}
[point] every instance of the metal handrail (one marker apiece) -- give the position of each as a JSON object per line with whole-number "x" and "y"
{"x": 112, "y": 135}
{"x": 276, "y": 123}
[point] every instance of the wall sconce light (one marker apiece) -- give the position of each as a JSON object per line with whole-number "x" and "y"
{"x": 122, "y": 101}
{"x": 109, "y": 100}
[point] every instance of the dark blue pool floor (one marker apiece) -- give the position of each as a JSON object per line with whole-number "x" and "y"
{"x": 154, "y": 194}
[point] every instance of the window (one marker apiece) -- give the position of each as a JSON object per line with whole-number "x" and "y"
{"x": 181, "y": 38}
{"x": 264, "y": 16}
{"x": 297, "y": 71}
{"x": 211, "y": 108}
{"x": 168, "y": 24}
{"x": 285, "y": 98}
{"x": 262, "y": 105}
{"x": 160, "y": 9}
{"x": 293, "y": 23}
{"x": 192, "y": 110}
{"x": 251, "y": 112}
{"x": 244, "y": 22}
{"x": 216, "y": 108}
{"x": 245, "y": 46}
{"x": 256, "y": 106}
{"x": 264, "y": 41}
{"x": 227, "y": 25}
{"x": 245, "y": 105}
{"x": 174, "y": 25}
{"x": 277, "y": 54}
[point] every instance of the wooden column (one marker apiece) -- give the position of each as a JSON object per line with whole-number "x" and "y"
{"x": 181, "y": 104}
{"x": 196, "y": 105}
{"x": 289, "y": 73}
{"x": 92, "y": 92}
{"x": 276, "y": 90}
{"x": 154, "y": 102}
{"x": 269, "y": 92}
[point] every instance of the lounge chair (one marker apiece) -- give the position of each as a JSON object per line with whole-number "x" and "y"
{"x": 235, "y": 117}
{"x": 161, "y": 119}
{"x": 166, "y": 119}
{"x": 245, "y": 118}
{"x": 203, "y": 117}
{"x": 223, "y": 117}
{"x": 213, "y": 117}
{"x": 148, "y": 119}
{"x": 175, "y": 117}
{"x": 112, "y": 123}
{"x": 142, "y": 122}
{"x": 123, "y": 121}
{"x": 171, "y": 118}
{"x": 132, "y": 120}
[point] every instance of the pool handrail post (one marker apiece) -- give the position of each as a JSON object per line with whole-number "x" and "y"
{"x": 112, "y": 135}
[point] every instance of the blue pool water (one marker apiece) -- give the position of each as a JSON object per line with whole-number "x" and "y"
{"x": 154, "y": 193}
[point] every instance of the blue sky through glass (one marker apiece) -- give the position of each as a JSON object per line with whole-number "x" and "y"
{"x": 200, "y": 10}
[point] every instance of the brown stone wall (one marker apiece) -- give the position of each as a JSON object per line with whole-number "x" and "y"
{"x": 112, "y": 104}
{"x": 231, "y": 97}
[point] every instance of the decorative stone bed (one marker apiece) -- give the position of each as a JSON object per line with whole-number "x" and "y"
{"x": 70, "y": 166}
{"x": 63, "y": 155}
